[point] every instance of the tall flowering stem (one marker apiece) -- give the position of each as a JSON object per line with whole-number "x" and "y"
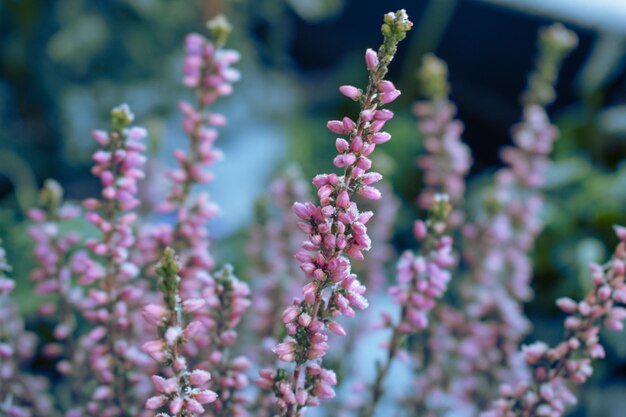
{"x": 273, "y": 239}
{"x": 207, "y": 71}
{"x": 500, "y": 243}
{"x": 118, "y": 166}
{"x": 21, "y": 395}
{"x": 474, "y": 349}
{"x": 553, "y": 369}
{"x": 335, "y": 228}
{"x": 185, "y": 391}
{"x": 57, "y": 257}
{"x": 228, "y": 298}
{"x": 448, "y": 159}
{"x": 275, "y": 275}
{"x": 422, "y": 280}
{"x": 445, "y": 165}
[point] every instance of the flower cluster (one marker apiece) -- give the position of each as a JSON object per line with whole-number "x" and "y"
{"x": 499, "y": 244}
{"x": 21, "y": 395}
{"x": 546, "y": 393}
{"x": 227, "y": 300}
{"x": 475, "y": 348}
{"x": 273, "y": 239}
{"x": 208, "y": 72}
{"x": 422, "y": 280}
{"x": 445, "y": 164}
{"x": 118, "y": 166}
{"x": 334, "y": 228}
{"x": 448, "y": 159}
{"x": 59, "y": 260}
{"x": 184, "y": 392}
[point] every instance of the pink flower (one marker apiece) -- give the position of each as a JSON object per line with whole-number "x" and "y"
{"x": 350, "y": 92}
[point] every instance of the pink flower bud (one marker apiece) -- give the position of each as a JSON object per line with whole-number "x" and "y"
{"x": 342, "y": 145}
{"x": 567, "y": 305}
{"x": 102, "y": 393}
{"x": 371, "y": 178}
{"x": 193, "y": 304}
{"x": 613, "y": 324}
{"x": 137, "y": 133}
{"x": 153, "y": 346}
{"x": 165, "y": 386}
{"x": 154, "y": 403}
{"x": 229, "y": 337}
{"x": 290, "y": 314}
{"x": 336, "y": 328}
{"x": 383, "y": 115}
{"x": 194, "y": 407}
{"x": 153, "y": 313}
{"x": 199, "y": 377}
{"x": 380, "y": 137}
{"x": 101, "y": 137}
{"x": 371, "y": 59}
{"x": 336, "y": 126}
{"x": 350, "y": 92}
{"x": 176, "y": 405}
{"x": 343, "y": 199}
{"x": 348, "y": 124}
{"x": 419, "y": 229}
{"x": 386, "y": 86}
{"x": 192, "y": 329}
{"x": 301, "y": 211}
{"x": 301, "y": 396}
{"x": 534, "y": 352}
{"x": 370, "y": 193}
{"x": 386, "y": 98}
{"x": 304, "y": 257}
{"x": 283, "y": 348}
{"x": 324, "y": 392}
{"x": 367, "y": 115}
{"x": 304, "y": 320}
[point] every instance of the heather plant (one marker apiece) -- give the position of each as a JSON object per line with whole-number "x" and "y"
{"x": 447, "y": 160}
{"x": 474, "y": 346}
{"x": 277, "y": 276}
{"x": 21, "y": 392}
{"x": 334, "y": 228}
{"x": 182, "y": 392}
{"x": 208, "y": 73}
{"x": 144, "y": 323}
{"x": 110, "y": 304}
{"x": 58, "y": 260}
{"x": 547, "y": 390}
{"x": 514, "y": 219}
{"x": 422, "y": 280}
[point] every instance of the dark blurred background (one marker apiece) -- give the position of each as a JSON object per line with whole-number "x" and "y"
{"x": 65, "y": 63}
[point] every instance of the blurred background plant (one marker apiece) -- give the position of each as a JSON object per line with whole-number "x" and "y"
{"x": 63, "y": 64}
